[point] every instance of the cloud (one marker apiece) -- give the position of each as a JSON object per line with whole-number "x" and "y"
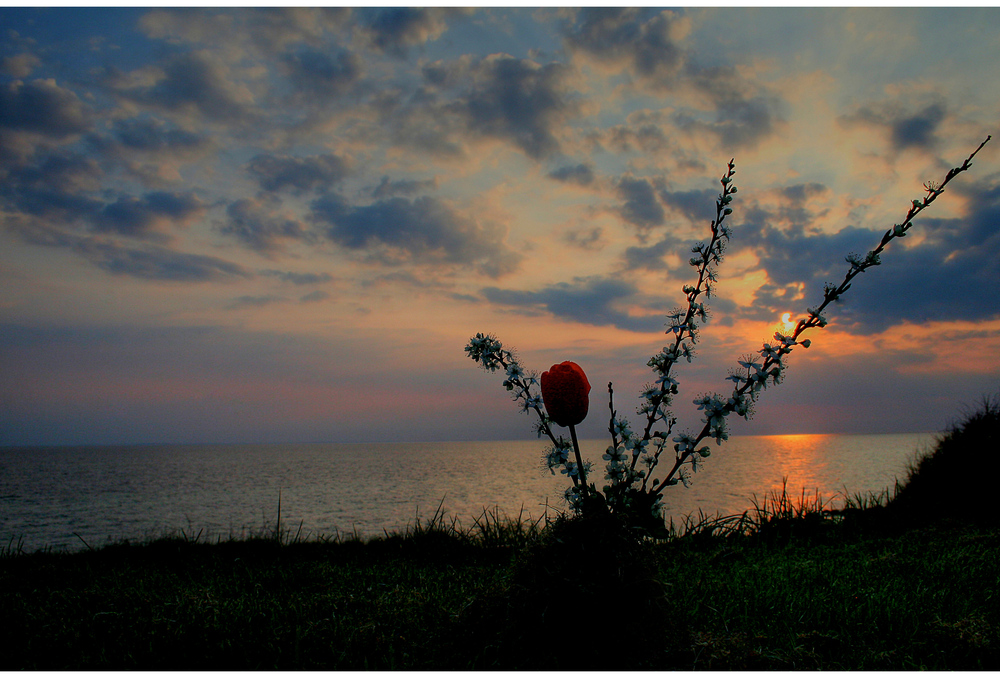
{"x": 643, "y": 132}
{"x": 394, "y": 30}
{"x": 630, "y": 39}
{"x": 515, "y": 100}
{"x": 697, "y": 206}
{"x": 468, "y": 100}
{"x": 149, "y": 148}
{"x": 152, "y": 135}
{"x": 640, "y": 206}
{"x": 197, "y": 83}
{"x": 298, "y": 278}
{"x": 424, "y": 230}
{"x": 522, "y": 101}
{"x": 745, "y": 113}
{"x": 148, "y": 215}
{"x": 317, "y": 74}
{"x": 589, "y": 300}
{"x": 298, "y": 174}
{"x": 251, "y": 301}
{"x": 153, "y": 262}
{"x": 581, "y": 174}
{"x": 260, "y": 227}
{"x": 918, "y": 129}
{"x": 314, "y": 296}
{"x": 43, "y": 107}
{"x": 264, "y": 31}
{"x": 907, "y": 127}
{"x": 387, "y": 188}
{"x": 51, "y": 203}
{"x": 793, "y": 208}
{"x": 20, "y": 65}
{"x": 586, "y": 239}
{"x": 773, "y": 233}
{"x": 407, "y": 278}
{"x": 142, "y": 260}
{"x": 951, "y": 275}
{"x": 647, "y": 45}
{"x": 55, "y": 173}
{"x": 650, "y": 257}
{"x": 796, "y": 254}
{"x": 423, "y": 123}
{"x": 58, "y": 189}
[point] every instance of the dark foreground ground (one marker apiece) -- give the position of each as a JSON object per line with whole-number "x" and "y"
{"x": 901, "y": 583}
{"x": 809, "y": 594}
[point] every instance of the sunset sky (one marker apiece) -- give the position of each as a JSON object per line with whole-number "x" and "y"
{"x": 256, "y": 225}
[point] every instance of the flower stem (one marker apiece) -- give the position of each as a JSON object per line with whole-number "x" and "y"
{"x": 579, "y": 458}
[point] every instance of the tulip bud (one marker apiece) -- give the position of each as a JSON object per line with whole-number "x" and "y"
{"x": 566, "y": 393}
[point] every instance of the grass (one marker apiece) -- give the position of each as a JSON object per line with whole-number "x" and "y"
{"x": 793, "y": 584}
{"x": 438, "y": 599}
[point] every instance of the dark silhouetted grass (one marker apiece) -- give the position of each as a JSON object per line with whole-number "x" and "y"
{"x": 438, "y": 599}
{"x": 958, "y": 479}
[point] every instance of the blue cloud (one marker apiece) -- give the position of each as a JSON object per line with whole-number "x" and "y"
{"x": 319, "y": 74}
{"x": 42, "y": 106}
{"x": 581, "y": 174}
{"x": 260, "y": 229}
{"x": 423, "y": 230}
{"x": 394, "y": 30}
{"x": 197, "y": 81}
{"x": 140, "y": 216}
{"x": 387, "y": 188}
{"x": 588, "y": 300}
{"x": 697, "y": 206}
{"x": 918, "y": 130}
{"x": 633, "y": 37}
{"x": 298, "y": 278}
{"x": 907, "y": 128}
{"x": 158, "y": 263}
{"x": 640, "y": 205}
{"x": 521, "y": 101}
{"x": 152, "y": 135}
{"x": 298, "y": 174}
{"x": 651, "y": 257}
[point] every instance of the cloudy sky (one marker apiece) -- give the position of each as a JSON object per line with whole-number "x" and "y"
{"x": 284, "y": 225}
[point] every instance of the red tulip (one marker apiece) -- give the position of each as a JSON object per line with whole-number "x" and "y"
{"x": 565, "y": 392}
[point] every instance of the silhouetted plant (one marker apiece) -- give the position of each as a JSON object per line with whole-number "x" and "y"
{"x": 632, "y": 491}
{"x": 957, "y": 479}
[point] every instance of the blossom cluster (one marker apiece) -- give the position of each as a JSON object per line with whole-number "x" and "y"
{"x": 490, "y": 353}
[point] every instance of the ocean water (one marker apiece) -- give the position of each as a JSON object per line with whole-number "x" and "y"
{"x": 64, "y": 498}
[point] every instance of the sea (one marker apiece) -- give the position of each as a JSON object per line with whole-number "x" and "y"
{"x": 74, "y": 498}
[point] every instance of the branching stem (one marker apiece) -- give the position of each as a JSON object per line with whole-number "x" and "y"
{"x": 815, "y": 318}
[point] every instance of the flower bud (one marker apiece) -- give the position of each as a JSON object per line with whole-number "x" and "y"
{"x": 566, "y": 393}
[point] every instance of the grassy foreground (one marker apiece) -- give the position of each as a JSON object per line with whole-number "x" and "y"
{"x": 793, "y": 598}
{"x": 901, "y": 583}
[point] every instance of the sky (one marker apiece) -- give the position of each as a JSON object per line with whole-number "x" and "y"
{"x": 284, "y": 225}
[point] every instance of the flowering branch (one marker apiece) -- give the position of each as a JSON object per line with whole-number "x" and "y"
{"x": 629, "y": 491}
{"x": 758, "y": 374}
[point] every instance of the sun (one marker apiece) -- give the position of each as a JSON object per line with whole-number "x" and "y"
{"x": 786, "y": 319}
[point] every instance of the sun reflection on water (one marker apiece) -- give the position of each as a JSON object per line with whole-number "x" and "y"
{"x": 797, "y": 457}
